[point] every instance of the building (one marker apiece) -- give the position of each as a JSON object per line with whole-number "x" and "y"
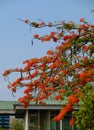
{"x": 6, "y": 113}
{"x": 36, "y": 116}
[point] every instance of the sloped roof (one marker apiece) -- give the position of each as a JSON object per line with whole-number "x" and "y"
{"x": 7, "y": 105}
{"x": 52, "y": 101}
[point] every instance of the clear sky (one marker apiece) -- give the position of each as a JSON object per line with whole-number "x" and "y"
{"x": 15, "y": 36}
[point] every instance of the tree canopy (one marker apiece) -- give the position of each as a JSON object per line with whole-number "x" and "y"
{"x": 66, "y": 70}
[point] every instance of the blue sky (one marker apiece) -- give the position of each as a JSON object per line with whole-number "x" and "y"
{"x": 15, "y": 36}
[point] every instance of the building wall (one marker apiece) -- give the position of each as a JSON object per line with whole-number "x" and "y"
{"x": 43, "y": 120}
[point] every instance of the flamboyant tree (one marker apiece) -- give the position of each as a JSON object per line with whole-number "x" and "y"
{"x": 65, "y": 71}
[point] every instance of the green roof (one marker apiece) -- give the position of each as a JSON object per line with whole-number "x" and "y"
{"x": 52, "y": 101}
{"x": 7, "y": 105}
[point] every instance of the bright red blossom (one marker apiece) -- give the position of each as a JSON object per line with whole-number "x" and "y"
{"x": 73, "y": 99}
{"x": 36, "y": 36}
{"x": 62, "y": 112}
{"x": 82, "y": 19}
{"x": 82, "y": 75}
{"x": 72, "y": 121}
{"x": 27, "y": 21}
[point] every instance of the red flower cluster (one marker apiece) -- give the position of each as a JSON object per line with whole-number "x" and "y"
{"x": 73, "y": 99}
{"x": 63, "y": 112}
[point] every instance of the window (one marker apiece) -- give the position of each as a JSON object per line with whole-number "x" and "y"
{"x": 65, "y": 123}
{"x": 61, "y": 125}
{"x": 33, "y": 121}
{"x": 54, "y": 125}
{"x": 4, "y": 121}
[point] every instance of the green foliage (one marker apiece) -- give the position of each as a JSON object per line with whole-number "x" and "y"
{"x": 17, "y": 124}
{"x": 2, "y": 128}
{"x": 85, "y": 115}
{"x": 92, "y": 10}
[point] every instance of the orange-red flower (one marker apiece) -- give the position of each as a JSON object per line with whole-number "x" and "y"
{"x": 62, "y": 112}
{"x": 82, "y": 19}
{"x": 28, "y": 89}
{"x": 36, "y": 36}
{"x": 54, "y": 65}
{"x": 82, "y": 75}
{"x": 16, "y": 82}
{"x": 73, "y": 99}
{"x": 58, "y": 97}
{"x": 54, "y": 39}
{"x": 50, "y": 52}
{"x": 6, "y": 72}
{"x": 42, "y": 103}
{"x": 61, "y": 91}
{"x": 64, "y": 71}
{"x": 26, "y": 21}
{"x": 85, "y": 48}
{"x": 13, "y": 90}
{"x": 66, "y": 37}
{"x": 20, "y": 100}
{"x": 72, "y": 121}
